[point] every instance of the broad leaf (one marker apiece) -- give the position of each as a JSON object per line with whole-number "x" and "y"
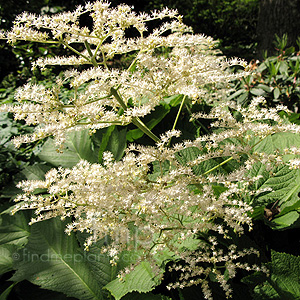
{"x": 36, "y": 171}
{"x": 285, "y": 275}
{"x": 141, "y": 279}
{"x": 265, "y": 291}
{"x": 111, "y": 139}
{"x": 53, "y": 260}
{"x": 117, "y": 143}
{"x": 260, "y": 287}
{"x": 284, "y": 182}
{"x": 283, "y": 282}
{"x": 144, "y": 296}
{"x": 173, "y": 100}
{"x": 8, "y": 254}
{"x": 159, "y": 169}
{"x": 278, "y": 141}
{"x": 78, "y": 147}
{"x": 15, "y": 229}
{"x": 286, "y": 221}
{"x": 191, "y": 153}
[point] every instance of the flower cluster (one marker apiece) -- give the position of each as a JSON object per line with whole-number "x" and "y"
{"x": 156, "y": 212}
{"x": 104, "y": 95}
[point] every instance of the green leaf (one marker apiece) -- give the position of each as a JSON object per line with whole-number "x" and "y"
{"x": 78, "y": 147}
{"x": 117, "y": 143}
{"x": 276, "y": 93}
{"x": 284, "y": 182}
{"x": 277, "y": 141}
{"x": 144, "y": 296}
{"x": 237, "y": 93}
{"x": 141, "y": 279}
{"x": 173, "y": 100}
{"x": 6, "y": 293}
{"x": 159, "y": 169}
{"x": 285, "y": 275}
{"x": 265, "y": 292}
{"x": 36, "y": 171}
{"x": 283, "y": 282}
{"x": 260, "y": 286}
{"x": 54, "y": 261}
{"x": 264, "y": 87}
{"x": 7, "y": 254}
{"x": 101, "y": 139}
{"x": 15, "y": 229}
{"x": 243, "y": 97}
{"x": 283, "y": 68}
{"x": 191, "y": 153}
{"x": 257, "y": 92}
{"x": 98, "y": 262}
{"x": 285, "y": 221}
{"x": 111, "y": 139}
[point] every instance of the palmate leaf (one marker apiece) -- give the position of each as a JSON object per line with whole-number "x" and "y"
{"x": 78, "y": 146}
{"x": 285, "y": 275}
{"x": 141, "y": 279}
{"x": 54, "y": 261}
{"x": 14, "y": 230}
{"x": 284, "y": 182}
{"x": 283, "y": 282}
{"x": 6, "y": 258}
{"x": 110, "y": 139}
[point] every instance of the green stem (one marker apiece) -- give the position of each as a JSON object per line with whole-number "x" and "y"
{"x": 197, "y": 121}
{"x": 75, "y": 51}
{"x": 134, "y": 61}
{"x": 178, "y": 113}
{"x": 219, "y": 165}
{"x": 97, "y": 49}
{"x": 177, "y": 117}
{"x": 92, "y": 57}
{"x": 136, "y": 121}
{"x": 261, "y": 140}
{"x": 104, "y": 59}
{"x": 115, "y": 93}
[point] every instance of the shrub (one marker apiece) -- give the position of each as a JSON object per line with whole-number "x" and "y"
{"x": 144, "y": 207}
{"x": 277, "y": 79}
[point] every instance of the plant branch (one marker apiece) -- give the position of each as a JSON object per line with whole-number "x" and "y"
{"x": 136, "y": 121}
{"x": 92, "y": 57}
{"x": 219, "y": 165}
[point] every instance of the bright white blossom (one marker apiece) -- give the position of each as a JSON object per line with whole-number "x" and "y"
{"x": 188, "y": 66}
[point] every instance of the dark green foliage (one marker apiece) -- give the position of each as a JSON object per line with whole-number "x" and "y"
{"x": 12, "y": 160}
{"x": 231, "y": 22}
{"x": 283, "y": 282}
